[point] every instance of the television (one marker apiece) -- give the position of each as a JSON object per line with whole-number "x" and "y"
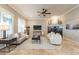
{"x": 37, "y": 27}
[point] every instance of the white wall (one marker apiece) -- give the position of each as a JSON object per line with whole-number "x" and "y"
{"x": 72, "y": 18}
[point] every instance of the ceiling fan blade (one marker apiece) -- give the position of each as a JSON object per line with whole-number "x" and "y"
{"x": 47, "y": 13}
{"x": 44, "y": 11}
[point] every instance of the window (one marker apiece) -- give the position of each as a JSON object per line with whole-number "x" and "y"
{"x": 6, "y": 19}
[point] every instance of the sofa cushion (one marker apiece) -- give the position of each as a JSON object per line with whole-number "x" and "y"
{"x": 16, "y": 35}
{"x": 50, "y": 35}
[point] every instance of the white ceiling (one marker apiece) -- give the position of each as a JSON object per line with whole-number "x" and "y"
{"x": 30, "y": 10}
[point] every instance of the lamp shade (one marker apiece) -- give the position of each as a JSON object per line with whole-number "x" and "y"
{"x": 3, "y": 27}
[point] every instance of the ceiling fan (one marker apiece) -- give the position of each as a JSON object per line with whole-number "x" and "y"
{"x": 44, "y": 12}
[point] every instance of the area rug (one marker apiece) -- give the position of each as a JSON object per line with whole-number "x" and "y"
{"x": 45, "y": 44}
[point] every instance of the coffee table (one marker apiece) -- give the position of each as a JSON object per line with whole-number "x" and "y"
{"x": 36, "y": 39}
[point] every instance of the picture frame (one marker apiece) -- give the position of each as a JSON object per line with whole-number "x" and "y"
{"x": 72, "y": 26}
{"x": 76, "y": 26}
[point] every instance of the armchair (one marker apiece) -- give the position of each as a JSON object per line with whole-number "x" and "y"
{"x": 55, "y": 38}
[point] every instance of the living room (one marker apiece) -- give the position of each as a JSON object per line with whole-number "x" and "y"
{"x": 39, "y": 29}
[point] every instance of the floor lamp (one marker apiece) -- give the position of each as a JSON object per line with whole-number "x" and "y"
{"x": 4, "y": 28}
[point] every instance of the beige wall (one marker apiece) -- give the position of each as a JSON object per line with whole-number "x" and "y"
{"x": 38, "y": 22}
{"x": 43, "y": 21}
{"x": 15, "y": 26}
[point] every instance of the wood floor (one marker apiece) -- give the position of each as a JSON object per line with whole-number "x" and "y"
{"x": 68, "y": 48}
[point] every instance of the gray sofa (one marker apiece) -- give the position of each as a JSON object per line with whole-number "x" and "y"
{"x": 2, "y": 46}
{"x": 21, "y": 37}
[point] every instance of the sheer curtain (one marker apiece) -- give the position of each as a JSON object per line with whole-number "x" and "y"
{"x": 21, "y": 25}
{"x": 1, "y": 33}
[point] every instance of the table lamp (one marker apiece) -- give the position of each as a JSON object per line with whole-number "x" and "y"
{"x": 4, "y": 27}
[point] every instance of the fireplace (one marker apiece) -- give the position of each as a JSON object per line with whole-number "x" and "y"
{"x": 37, "y": 30}
{"x": 37, "y": 27}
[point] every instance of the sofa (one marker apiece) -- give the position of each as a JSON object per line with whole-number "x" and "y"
{"x": 55, "y": 38}
{"x": 11, "y": 36}
{"x": 21, "y": 37}
{"x": 2, "y": 46}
